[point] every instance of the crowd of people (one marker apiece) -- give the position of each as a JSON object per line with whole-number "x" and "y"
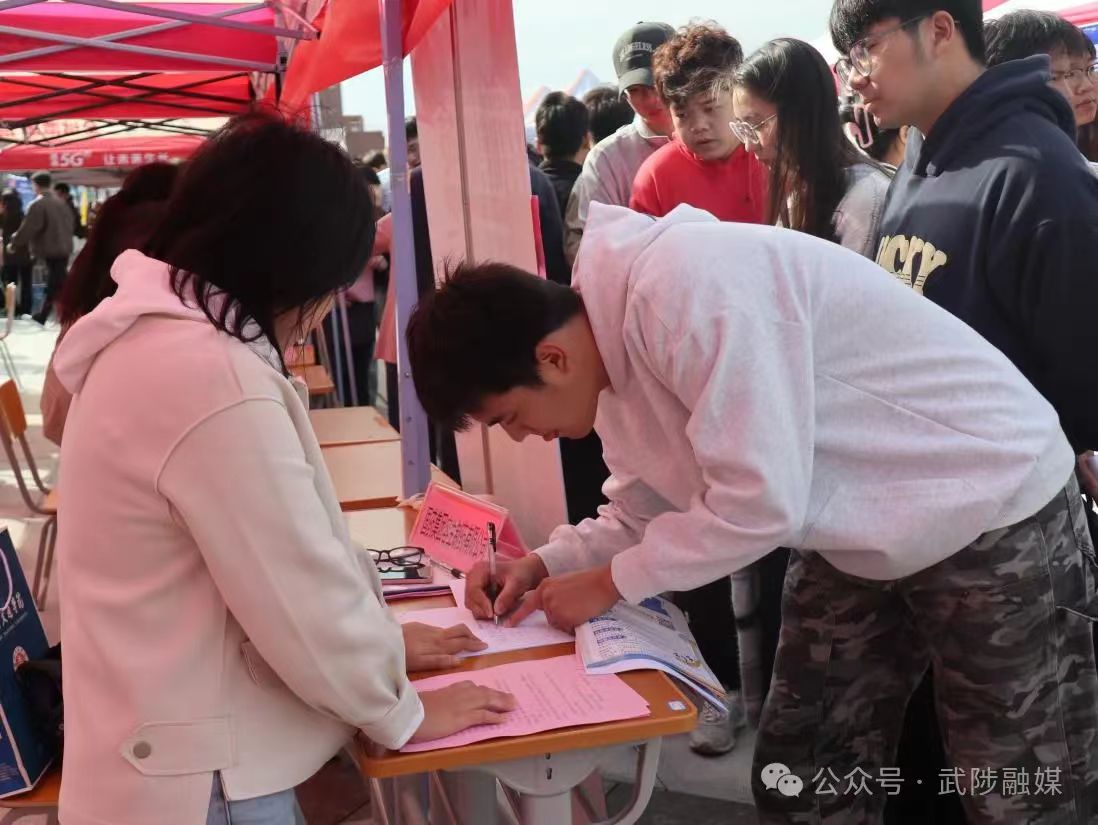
{"x": 44, "y": 234}
{"x": 815, "y": 341}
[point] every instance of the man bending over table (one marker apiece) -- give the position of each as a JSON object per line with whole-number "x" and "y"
{"x": 755, "y": 387}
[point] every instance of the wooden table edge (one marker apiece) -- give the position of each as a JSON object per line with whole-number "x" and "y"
{"x": 390, "y": 764}
{"x": 381, "y": 503}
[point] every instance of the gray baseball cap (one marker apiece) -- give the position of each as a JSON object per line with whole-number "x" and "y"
{"x": 633, "y": 53}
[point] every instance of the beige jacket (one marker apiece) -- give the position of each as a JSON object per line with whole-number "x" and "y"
{"x": 214, "y": 614}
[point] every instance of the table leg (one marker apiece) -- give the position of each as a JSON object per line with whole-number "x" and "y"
{"x": 545, "y": 783}
{"x": 463, "y": 798}
{"x": 546, "y": 810}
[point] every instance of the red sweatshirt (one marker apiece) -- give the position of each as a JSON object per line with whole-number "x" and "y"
{"x": 733, "y": 189}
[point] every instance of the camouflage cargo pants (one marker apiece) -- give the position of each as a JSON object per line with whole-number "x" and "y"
{"x": 1005, "y": 623}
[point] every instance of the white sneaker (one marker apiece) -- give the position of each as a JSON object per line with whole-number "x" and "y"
{"x": 716, "y": 730}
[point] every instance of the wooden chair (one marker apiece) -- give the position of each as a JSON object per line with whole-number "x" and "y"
{"x": 13, "y": 427}
{"x": 321, "y": 387}
{"x": 9, "y": 324}
{"x": 42, "y": 799}
{"x": 303, "y": 355}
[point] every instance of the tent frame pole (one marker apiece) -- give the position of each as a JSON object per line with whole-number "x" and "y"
{"x": 415, "y": 455}
{"x": 115, "y": 36}
{"x": 127, "y": 48}
{"x": 199, "y": 19}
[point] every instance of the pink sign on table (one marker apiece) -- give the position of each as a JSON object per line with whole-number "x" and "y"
{"x": 452, "y": 528}
{"x": 549, "y": 694}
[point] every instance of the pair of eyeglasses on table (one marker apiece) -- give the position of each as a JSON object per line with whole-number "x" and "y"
{"x": 405, "y": 562}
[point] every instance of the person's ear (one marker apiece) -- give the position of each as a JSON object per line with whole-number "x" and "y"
{"x": 943, "y": 29}
{"x": 552, "y": 358}
{"x": 903, "y": 134}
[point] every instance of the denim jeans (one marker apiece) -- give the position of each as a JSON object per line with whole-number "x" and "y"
{"x": 275, "y": 809}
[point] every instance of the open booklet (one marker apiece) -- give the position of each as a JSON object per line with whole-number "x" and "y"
{"x": 652, "y": 634}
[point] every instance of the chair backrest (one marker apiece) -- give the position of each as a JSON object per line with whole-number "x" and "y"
{"x": 9, "y": 298}
{"x": 12, "y": 418}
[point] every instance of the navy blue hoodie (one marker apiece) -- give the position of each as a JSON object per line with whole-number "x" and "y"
{"x": 994, "y": 217}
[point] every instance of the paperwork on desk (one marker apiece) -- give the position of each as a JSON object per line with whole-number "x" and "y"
{"x": 549, "y": 694}
{"x": 396, "y": 589}
{"x": 533, "y": 632}
{"x": 651, "y": 635}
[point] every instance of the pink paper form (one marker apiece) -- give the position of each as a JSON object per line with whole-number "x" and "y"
{"x": 550, "y": 693}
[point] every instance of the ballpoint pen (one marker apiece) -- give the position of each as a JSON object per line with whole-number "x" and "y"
{"x": 493, "y": 588}
{"x": 453, "y": 571}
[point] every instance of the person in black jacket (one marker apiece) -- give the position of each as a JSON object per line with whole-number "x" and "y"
{"x": 552, "y": 227}
{"x": 564, "y": 140}
{"x": 994, "y": 216}
{"x": 64, "y": 192}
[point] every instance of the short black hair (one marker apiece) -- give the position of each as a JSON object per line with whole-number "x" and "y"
{"x": 411, "y": 128}
{"x": 562, "y": 124}
{"x": 607, "y": 111}
{"x": 1025, "y": 33}
{"x": 268, "y": 219}
{"x": 42, "y": 180}
{"x": 477, "y": 334}
{"x": 850, "y": 19}
{"x": 369, "y": 174}
{"x": 62, "y": 188}
{"x": 376, "y": 160}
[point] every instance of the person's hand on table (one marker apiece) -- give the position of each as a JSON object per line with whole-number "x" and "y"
{"x": 460, "y": 706}
{"x": 436, "y": 648}
{"x": 571, "y": 599}
{"x": 513, "y": 577}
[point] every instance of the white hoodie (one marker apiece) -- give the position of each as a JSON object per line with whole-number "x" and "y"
{"x": 771, "y": 389}
{"x": 214, "y": 613}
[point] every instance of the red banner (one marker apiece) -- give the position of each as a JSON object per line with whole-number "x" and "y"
{"x": 99, "y": 153}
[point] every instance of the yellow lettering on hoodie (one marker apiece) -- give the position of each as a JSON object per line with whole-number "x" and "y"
{"x": 899, "y": 255}
{"x": 930, "y": 260}
{"x": 893, "y": 253}
{"x": 913, "y": 249}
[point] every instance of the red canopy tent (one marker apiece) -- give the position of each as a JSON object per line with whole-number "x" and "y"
{"x": 125, "y": 65}
{"x": 104, "y": 35}
{"x": 27, "y": 98}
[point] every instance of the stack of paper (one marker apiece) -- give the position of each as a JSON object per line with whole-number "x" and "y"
{"x": 533, "y": 632}
{"x": 653, "y": 634}
{"x": 396, "y": 590}
{"x": 549, "y": 694}
{"x": 393, "y": 589}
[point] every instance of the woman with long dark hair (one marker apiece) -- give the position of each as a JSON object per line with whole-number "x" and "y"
{"x": 16, "y": 267}
{"x": 223, "y": 637}
{"x": 124, "y": 221}
{"x": 787, "y": 113}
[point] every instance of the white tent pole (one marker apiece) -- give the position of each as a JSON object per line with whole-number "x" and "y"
{"x": 415, "y": 455}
